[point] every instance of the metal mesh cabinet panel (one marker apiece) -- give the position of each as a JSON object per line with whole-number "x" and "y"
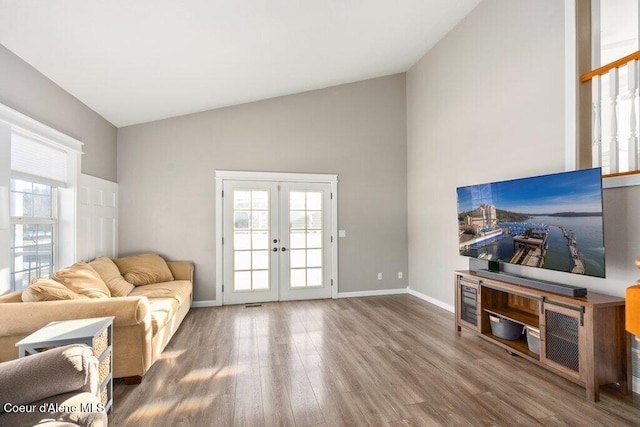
{"x": 561, "y": 343}
{"x": 469, "y": 304}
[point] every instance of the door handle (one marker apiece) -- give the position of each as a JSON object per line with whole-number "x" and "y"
{"x": 283, "y": 249}
{"x": 275, "y": 249}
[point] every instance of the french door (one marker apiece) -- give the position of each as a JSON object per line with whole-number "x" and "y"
{"x": 277, "y": 242}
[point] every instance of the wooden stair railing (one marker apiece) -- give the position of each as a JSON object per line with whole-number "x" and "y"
{"x": 614, "y": 98}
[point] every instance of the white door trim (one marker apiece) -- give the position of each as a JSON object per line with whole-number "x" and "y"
{"x": 276, "y": 176}
{"x": 222, "y": 175}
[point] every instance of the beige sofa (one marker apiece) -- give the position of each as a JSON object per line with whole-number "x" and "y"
{"x": 148, "y": 297}
{"x": 53, "y": 388}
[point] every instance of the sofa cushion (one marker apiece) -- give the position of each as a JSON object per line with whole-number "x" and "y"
{"x": 180, "y": 290}
{"x": 144, "y": 269}
{"x": 111, "y": 276}
{"x": 82, "y": 279}
{"x": 164, "y": 300}
{"x": 48, "y": 290}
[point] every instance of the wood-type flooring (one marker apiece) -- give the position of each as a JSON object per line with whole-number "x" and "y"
{"x": 380, "y": 361}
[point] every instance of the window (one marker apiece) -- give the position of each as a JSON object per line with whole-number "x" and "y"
{"x": 39, "y": 176}
{"x": 614, "y": 30}
{"x": 39, "y": 172}
{"x": 611, "y": 86}
{"x": 33, "y": 230}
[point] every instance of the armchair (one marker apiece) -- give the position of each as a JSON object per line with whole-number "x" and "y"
{"x": 58, "y": 386}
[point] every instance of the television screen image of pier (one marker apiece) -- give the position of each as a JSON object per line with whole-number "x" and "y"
{"x": 552, "y": 221}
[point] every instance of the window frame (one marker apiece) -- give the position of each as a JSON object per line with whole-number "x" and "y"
{"x": 33, "y": 220}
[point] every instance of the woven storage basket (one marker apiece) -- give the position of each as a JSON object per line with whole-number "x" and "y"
{"x": 104, "y": 368}
{"x": 101, "y": 343}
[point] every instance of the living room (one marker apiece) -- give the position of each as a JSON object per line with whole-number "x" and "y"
{"x": 489, "y": 101}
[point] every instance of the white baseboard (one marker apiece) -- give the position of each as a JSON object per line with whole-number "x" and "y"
{"x": 209, "y": 303}
{"x": 215, "y": 303}
{"x": 635, "y": 385}
{"x": 431, "y": 300}
{"x": 356, "y": 294}
{"x": 372, "y": 293}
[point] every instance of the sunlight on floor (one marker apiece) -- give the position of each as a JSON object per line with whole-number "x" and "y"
{"x": 193, "y": 404}
{"x": 204, "y": 374}
{"x": 199, "y": 375}
{"x": 153, "y": 410}
{"x": 174, "y": 354}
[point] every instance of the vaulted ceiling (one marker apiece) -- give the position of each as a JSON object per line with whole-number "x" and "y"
{"x": 144, "y": 60}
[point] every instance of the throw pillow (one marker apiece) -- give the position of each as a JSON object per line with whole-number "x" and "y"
{"x": 144, "y": 269}
{"x": 111, "y": 276}
{"x": 47, "y": 290}
{"x": 82, "y": 279}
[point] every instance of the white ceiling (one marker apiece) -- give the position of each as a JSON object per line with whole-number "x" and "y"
{"x": 143, "y": 60}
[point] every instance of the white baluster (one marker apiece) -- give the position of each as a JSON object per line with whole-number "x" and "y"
{"x": 596, "y": 122}
{"x": 613, "y": 143}
{"x": 632, "y": 69}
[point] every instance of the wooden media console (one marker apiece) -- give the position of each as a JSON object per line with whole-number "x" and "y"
{"x": 582, "y": 339}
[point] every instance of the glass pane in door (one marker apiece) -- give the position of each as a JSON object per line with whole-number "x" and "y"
{"x": 305, "y": 239}
{"x": 251, "y": 240}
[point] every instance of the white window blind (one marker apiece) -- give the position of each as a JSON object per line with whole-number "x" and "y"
{"x": 38, "y": 161}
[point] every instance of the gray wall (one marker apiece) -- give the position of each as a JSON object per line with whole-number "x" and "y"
{"x": 487, "y": 104}
{"x": 28, "y": 91}
{"x": 358, "y": 131}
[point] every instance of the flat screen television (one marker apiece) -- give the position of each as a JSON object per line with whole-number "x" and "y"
{"x": 549, "y": 221}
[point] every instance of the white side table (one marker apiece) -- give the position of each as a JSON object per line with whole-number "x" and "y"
{"x": 97, "y": 333}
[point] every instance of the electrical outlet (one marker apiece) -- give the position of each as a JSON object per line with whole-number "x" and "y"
{"x": 399, "y": 274}
{"x": 379, "y": 276}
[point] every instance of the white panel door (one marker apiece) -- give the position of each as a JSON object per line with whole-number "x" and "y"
{"x": 250, "y": 256}
{"x": 305, "y": 247}
{"x": 276, "y": 241}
